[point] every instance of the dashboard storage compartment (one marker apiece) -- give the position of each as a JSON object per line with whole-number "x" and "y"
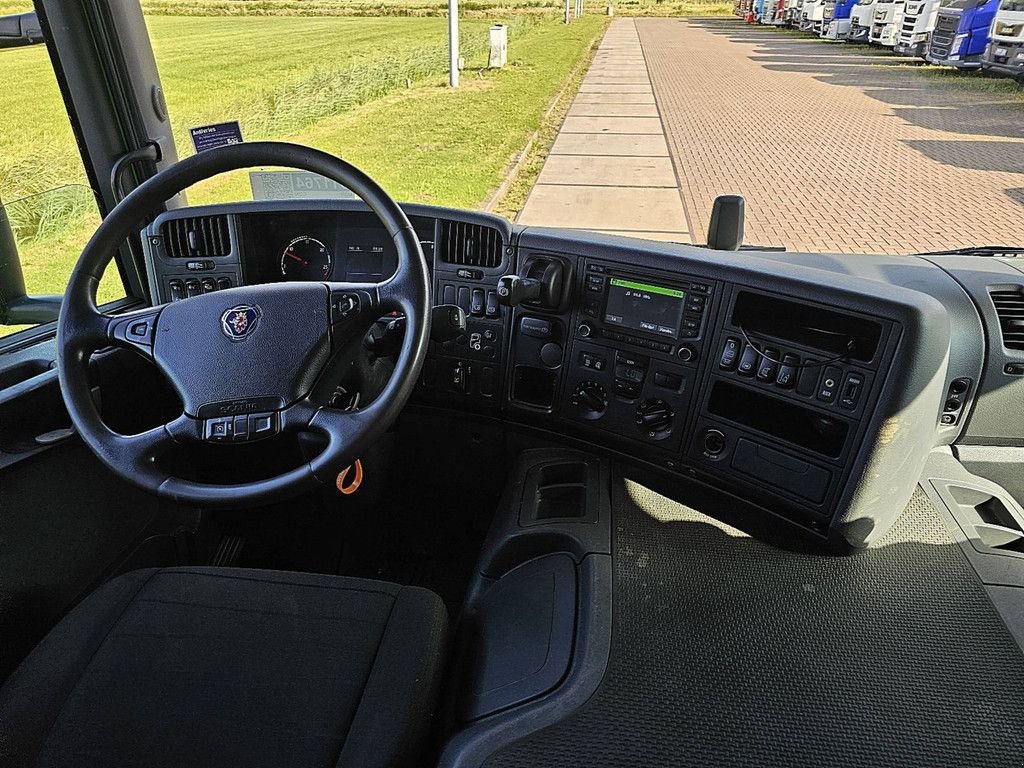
{"x": 803, "y": 427}
{"x": 520, "y": 636}
{"x": 534, "y": 386}
{"x": 781, "y": 470}
{"x": 563, "y": 490}
{"x": 808, "y": 325}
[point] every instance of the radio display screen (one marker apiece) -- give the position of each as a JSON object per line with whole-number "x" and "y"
{"x": 644, "y": 307}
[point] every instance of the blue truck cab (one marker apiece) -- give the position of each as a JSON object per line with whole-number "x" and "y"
{"x": 1004, "y": 53}
{"x": 837, "y": 19}
{"x": 961, "y": 33}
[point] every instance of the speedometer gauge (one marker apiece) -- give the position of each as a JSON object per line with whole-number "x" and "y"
{"x": 306, "y": 258}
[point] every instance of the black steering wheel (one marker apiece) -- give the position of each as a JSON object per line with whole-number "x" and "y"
{"x": 243, "y": 360}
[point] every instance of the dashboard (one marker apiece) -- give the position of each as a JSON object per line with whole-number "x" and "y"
{"x": 811, "y": 385}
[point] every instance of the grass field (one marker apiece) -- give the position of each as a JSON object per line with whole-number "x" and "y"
{"x": 372, "y": 90}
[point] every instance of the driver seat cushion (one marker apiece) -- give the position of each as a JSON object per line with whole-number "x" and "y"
{"x": 192, "y": 667}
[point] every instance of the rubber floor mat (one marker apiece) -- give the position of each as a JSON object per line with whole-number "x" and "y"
{"x": 727, "y": 651}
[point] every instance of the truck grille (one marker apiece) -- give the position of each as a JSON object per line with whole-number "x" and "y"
{"x": 943, "y": 35}
{"x": 907, "y": 30}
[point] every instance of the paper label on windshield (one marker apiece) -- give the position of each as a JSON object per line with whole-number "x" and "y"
{"x": 296, "y": 185}
{"x": 206, "y": 137}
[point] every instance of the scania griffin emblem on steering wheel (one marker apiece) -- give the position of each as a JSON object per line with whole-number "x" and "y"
{"x": 239, "y": 323}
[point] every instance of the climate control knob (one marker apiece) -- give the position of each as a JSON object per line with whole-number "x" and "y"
{"x": 590, "y": 398}
{"x": 654, "y": 417}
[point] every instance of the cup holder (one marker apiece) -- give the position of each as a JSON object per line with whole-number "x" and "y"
{"x": 559, "y": 491}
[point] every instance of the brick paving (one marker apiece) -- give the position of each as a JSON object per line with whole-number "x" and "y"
{"x": 834, "y": 149}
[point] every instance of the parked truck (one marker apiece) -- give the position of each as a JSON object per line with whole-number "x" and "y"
{"x": 774, "y": 12}
{"x": 1005, "y": 50}
{"x": 811, "y": 16}
{"x": 861, "y": 17}
{"x": 918, "y": 22}
{"x": 836, "y": 19}
{"x": 886, "y": 23}
{"x": 791, "y": 14}
{"x": 961, "y": 33}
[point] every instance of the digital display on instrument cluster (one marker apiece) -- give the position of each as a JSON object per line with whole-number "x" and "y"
{"x": 644, "y": 306}
{"x": 350, "y": 246}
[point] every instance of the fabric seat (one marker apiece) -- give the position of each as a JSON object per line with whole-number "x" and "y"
{"x": 192, "y": 667}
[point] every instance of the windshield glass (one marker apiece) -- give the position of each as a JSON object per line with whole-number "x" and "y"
{"x": 834, "y": 147}
{"x": 1011, "y": 5}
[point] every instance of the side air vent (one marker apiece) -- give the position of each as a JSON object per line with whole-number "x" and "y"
{"x": 1009, "y": 303}
{"x": 196, "y": 236}
{"x": 470, "y": 245}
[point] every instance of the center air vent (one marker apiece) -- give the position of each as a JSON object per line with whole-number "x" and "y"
{"x": 1009, "y": 303}
{"x": 196, "y": 236}
{"x": 470, "y": 245}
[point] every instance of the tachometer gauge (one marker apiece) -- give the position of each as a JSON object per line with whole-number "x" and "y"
{"x": 306, "y": 258}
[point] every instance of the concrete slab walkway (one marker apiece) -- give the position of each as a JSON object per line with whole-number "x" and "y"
{"x": 609, "y": 168}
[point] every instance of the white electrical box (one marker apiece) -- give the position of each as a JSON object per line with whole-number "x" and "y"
{"x": 499, "y": 46}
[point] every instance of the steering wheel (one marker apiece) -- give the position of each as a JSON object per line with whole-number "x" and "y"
{"x": 243, "y": 360}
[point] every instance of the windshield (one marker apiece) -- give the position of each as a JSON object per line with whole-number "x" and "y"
{"x": 962, "y": 4}
{"x": 834, "y": 147}
{"x": 1011, "y": 5}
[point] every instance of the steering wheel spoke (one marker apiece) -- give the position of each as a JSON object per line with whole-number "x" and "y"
{"x": 354, "y": 307}
{"x": 134, "y": 330}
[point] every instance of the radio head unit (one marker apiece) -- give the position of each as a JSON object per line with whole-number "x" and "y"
{"x": 643, "y": 310}
{"x": 643, "y": 306}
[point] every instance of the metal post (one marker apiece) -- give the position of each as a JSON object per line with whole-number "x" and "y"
{"x": 453, "y": 43}
{"x": 566, "y": 11}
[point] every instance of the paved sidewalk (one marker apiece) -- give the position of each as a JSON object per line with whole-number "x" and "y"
{"x": 609, "y": 168}
{"x": 834, "y": 149}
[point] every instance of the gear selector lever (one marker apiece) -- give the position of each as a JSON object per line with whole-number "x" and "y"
{"x": 513, "y": 290}
{"x": 542, "y": 285}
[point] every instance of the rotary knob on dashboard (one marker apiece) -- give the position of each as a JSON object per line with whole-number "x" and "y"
{"x": 654, "y": 417}
{"x": 590, "y": 398}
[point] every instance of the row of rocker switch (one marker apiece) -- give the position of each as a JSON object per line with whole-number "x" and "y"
{"x": 786, "y": 371}
{"x": 475, "y": 302}
{"x": 186, "y": 289}
{"x": 767, "y": 367}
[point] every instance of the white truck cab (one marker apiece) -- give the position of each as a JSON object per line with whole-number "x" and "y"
{"x": 792, "y": 12}
{"x": 885, "y": 25}
{"x": 1005, "y": 51}
{"x": 919, "y": 18}
{"x": 812, "y": 15}
{"x": 861, "y": 18}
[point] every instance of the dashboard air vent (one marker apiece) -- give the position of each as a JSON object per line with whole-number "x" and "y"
{"x": 470, "y": 245}
{"x": 196, "y": 236}
{"x": 1009, "y": 303}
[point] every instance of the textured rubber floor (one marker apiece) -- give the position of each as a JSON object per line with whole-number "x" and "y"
{"x": 729, "y": 652}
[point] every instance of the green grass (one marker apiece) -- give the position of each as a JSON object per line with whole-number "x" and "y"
{"x": 436, "y": 145}
{"x": 369, "y": 89}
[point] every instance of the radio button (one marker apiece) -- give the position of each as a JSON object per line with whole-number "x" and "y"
{"x": 829, "y": 384}
{"x": 636, "y": 361}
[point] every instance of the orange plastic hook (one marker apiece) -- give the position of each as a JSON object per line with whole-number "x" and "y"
{"x": 357, "y": 479}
